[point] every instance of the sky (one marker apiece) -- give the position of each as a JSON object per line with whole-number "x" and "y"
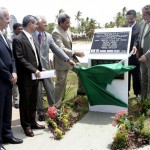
{"x": 102, "y": 11}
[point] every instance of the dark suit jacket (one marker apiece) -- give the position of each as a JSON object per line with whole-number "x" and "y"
{"x": 134, "y": 42}
{"x": 25, "y": 59}
{"x": 7, "y": 65}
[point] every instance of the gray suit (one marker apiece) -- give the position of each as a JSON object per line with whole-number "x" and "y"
{"x": 145, "y": 66}
{"x": 46, "y": 44}
{"x": 64, "y": 41}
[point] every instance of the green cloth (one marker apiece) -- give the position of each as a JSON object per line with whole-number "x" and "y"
{"x": 95, "y": 80}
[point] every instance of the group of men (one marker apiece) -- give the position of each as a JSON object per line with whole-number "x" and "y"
{"x": 30, "y": 51}
{"x": 140, "y": 44}
{"x": 31, "y": 55}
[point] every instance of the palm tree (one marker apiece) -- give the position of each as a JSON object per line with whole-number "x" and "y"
{"x": 78, "y": 18}
{"x": 111, "y": 24}
{"x": 138, "y": 17}
{"x": 120, "y": 19}
{"x": 124, "y": 10}
{"x": 91, "y": 24}
{"x": 59, "y": 12}
{"x": 78, "y": 15}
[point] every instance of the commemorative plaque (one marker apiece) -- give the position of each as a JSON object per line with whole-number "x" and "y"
{"x": 110, "y": 42}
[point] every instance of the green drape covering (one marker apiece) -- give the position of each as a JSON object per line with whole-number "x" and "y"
{"x": 95, "y": 80}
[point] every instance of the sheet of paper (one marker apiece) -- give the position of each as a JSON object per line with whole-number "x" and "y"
{"x": 45, "y": 74}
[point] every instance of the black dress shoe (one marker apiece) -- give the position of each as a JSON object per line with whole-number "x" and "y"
{"x": 2, "y": 148}
{"x": 80, "y": 93}
{"x": 37, "y": 126}
{"x": 29, "y": 132}
{"x": 16, "y": 106}
{"x": 13, "y": 140}
{"x": 41, "y": 118}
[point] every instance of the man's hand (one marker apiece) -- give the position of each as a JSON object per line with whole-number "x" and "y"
{"x": 71, "y": 62}
{"x": 37, "y": 74}
{"x": 134, "y": 50}
{"x": 142, "y": 58}
{"x": 14, "y": 78}
{"x": 79, "y": 53}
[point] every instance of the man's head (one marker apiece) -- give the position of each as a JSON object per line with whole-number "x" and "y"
{"x": 29, "y": 23}
{"x": 41, "y": 23}
{"x": 146, "y": 13}
{"x": 17, "y": 28}
{"x": 4, "y": 18}
{"x": 64, "y": 21}
{"x": 131, "y": 16}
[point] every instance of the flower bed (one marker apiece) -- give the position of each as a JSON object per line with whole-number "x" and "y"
{"x": 129, "y": 134}
{"x": 61, "y": 120}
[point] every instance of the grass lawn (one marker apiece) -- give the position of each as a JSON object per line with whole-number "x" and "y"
{"x": 70, "y": 96}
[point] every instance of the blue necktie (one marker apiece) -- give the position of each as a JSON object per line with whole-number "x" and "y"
{"x": 39, "y": 38}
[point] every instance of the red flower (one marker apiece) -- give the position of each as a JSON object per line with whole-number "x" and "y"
{"x": 120, "y": 118}
{"x": 52, "y": 112}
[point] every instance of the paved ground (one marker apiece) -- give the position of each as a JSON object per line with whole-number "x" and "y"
{"x": 93, "y": 132}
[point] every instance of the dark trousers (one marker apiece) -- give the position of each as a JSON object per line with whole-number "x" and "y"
{"x": 5, "y": 112}
{"x": 27, "y": 104}
{"x": 136, "y": 78}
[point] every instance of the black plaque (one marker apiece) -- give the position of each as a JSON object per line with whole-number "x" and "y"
{"x": 110, "y": 42}
{"x": 106, "y": 61}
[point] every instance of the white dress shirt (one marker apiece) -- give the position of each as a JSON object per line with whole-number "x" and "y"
{"x": 30, "y": 38}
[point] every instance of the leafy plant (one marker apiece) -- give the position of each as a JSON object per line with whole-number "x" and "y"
{"x": 121, "y": 138}
{"x": 129, "y": 133}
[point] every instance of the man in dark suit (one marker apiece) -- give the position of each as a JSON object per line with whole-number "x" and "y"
{"x": 135, "y": 73}
{"x": 27, "y": 62}
{"x": 8, "y": 77}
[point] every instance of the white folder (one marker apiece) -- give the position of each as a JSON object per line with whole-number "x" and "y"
{"x": 45, "y": 74}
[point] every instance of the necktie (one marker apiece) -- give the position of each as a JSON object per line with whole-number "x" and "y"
{"x": 39, "y": 38}
{"x": 33, "y": 46}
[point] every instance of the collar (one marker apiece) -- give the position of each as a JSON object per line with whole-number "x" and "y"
{"x": 133, "y": 24}
{"x": 2, "y": 32}
{"x": 61, "y": 29}
{"x": 27, "y": 34}
{"x": 37, "y": 33}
